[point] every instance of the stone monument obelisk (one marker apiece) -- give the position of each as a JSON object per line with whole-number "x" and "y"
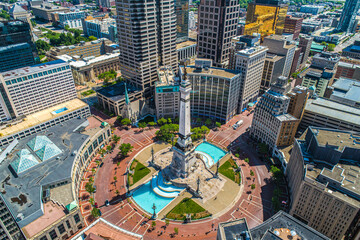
{"x": 183, "y": 150}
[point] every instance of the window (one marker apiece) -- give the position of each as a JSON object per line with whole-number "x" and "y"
{"x": 30, "y": 77}
{"x": 13, "y": 81}
{"x": 53, "y": 234}
{"x": 35, "y": 75}
{"x": 44, "y": 238}
{"x": 59, "y": 69}
{"x": 67, "y": 67}
{"x": 49, "y": 72}
{"x": 63, "y": 68}
{"x": 8, "y": 82}
{"x": 68, "y": 224}
{"x": 45, "y": 73}
{"x": 40, "y": 74}
{"x": 61, "y": 229}
{"x": 76, "y": 218}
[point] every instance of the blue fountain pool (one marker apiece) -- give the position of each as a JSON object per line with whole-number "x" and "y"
{"x": 59, "y": 110}
{"x": 155, "y": 191}
{"x": 212, "y": 151}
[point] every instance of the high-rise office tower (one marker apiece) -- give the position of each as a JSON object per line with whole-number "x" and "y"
{"x": 147, "y": 40}
{"x": 305, "y": 45}
{"x": 250, "y": 63}
{"x": 281, "y": 47}
{"x": 271, "y": 123}
{"x": 218, "y": 21}
{"x": 16, "y": 56}
{"x": 293, "y": 26}
{"x": 265, "y": 17}
{"x": 348, "y": 16}
{"x": 15, "y": 32}
{"x": 182, "y": 20}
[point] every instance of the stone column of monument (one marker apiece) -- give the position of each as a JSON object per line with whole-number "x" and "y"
{"x": 183, "y": 157}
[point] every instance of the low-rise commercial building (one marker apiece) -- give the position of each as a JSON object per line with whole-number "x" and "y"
{"x": 71, "y": 19}
{"x": 44, "y": 11}
{"x": 167, "y": 95}
{"x": 94, "y": 48}
{"x": 316, "y": 80}
{"x": 280, "y": 226}
{"x": 186, "y": 50}
{"x": 352, "y": 51}
{"x": 313, "y": 9}
{"x": 87, "y": 69}
{"x": 346, "y": 91}
{"x": 327, "y": 113}
{"x": 57, "y": 158}
{"x": 323, "y": 178}
{"x": 348, "y": 70}
{"x": 100, "y": 28}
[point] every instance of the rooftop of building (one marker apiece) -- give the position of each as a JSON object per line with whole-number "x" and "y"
{"x": 346, "y": 173}
{"x": 234, "y": 229}
{"x": 167, "y": 77}
{"x": 52, "y": 213}
{"x": 16, "y": 8}
{"x": 74, "y": 62}
{"x": 42, "y": 117}
{"x": 348, "y": 65}
{"x": 102, "y": 229}
{"x": 116, "y": 92}
{"x": 284, "y": 226}
{"x": 273, "y": 57}
{"x": 185, "y": 44}
{"x": 347, "y": 88}
{"x": 219, "y": 72}
{"x": 286, "y": 117}
{"x": 45, "y": 158}
{"x": 31, "y": 69}
{"x": 281, "y": 38}
{"x": 252, "y": 50}
{"x": 49, "y": 7}
{"x": 333, "y": 57}
{"x": 335, "y": 110}
{"x": 107, "y": 41}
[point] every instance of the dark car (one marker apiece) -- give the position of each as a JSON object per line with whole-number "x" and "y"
{"x": 96, "y": 205}
{"x": 94, "y": 189}
{"x": 107, "y": 203}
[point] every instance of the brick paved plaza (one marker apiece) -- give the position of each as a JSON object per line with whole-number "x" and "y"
{"x": 255, "y": 204}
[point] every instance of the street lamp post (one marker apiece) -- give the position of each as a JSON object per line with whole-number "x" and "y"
{"x": 152, "y": 155}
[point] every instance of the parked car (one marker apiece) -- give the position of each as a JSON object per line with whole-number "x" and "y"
{"x": 96, "y": 205}
{"x": 94, "y": 189}
{"x": 107, "y": 203}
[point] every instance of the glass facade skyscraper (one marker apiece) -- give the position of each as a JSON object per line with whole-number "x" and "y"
{"x": 265, "y": 17}
{"x": 182, "y": 20}
{"x": 348, "y": 16}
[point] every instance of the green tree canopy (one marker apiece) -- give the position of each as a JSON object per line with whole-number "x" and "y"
{"x": 198, "y": 132}
{"x": 142, "y": 125}
{"x": 125, "y": 121}
{"x": 92, "y": 38}
{"x": 42, "y": 46}
{"x": 167, "y": 131}
{"x": 162, "y": 121}
{"x": 125, "y": 149}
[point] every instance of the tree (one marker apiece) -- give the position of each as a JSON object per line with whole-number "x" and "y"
{"x": 125, "y": 121}
{"x": 153, "y": 224}
{"x": 117, "y": 192}
{"x": 253, "y": 186}
{"x": 102, "y": 152}
{"x": 237, "y": 155}
{"x": 199, "y": 132}
{"x": 167, "y": 131}
{"x": 108, "y": 148}
{"x": 142, "y": 125}
{"x": 167, "y": 222}
{"x": 89, "y": 188}
{"x": 208, "y": 122}
{"x": 116, "y": 138}
{"x": 33, "y": 23}
{"x": 91, "y": 201}
{"x": 252, "y": 173}
{"x": 93, "y": 170}
{"x": 176, "y": 230}
{"x": 67, "y": 27}
{"x": 92, "y": 38}
{"x": 151, "y": 124}
{"x": 162, "y": 121}
{"x": 118, "y": 164}
{"x": 42, "y": 46}
{"x": 246, "y": 160}
{"x": 331, "y": 47}
{"x": 323, "y": 43}
{"x": 218, "y": 124}
{"x": 95, "y": 212}
{"x": 277, "y": 174}
{"x": 125, "y": 149}
{"x": 169, "y": 120}
{"x": 115, "y": 178}
{"x": 198, "y": 120}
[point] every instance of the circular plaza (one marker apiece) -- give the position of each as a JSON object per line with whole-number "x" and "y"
{"x": 141, "y": 195}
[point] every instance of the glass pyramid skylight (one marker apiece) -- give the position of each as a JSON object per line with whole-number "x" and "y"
{"x": 38, "y": 142}
{"x": 48, "y": 151}
{"x": 25, "y": 161}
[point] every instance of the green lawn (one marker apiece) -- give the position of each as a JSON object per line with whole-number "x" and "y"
{"x": 140, "y": 171}
{"x": 88, "y": 92}
{"x": 228, "y": 170}
{"x": 187, "y": 206}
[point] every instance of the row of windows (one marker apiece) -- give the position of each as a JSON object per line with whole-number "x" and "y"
{"x": 40, "y": 74}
